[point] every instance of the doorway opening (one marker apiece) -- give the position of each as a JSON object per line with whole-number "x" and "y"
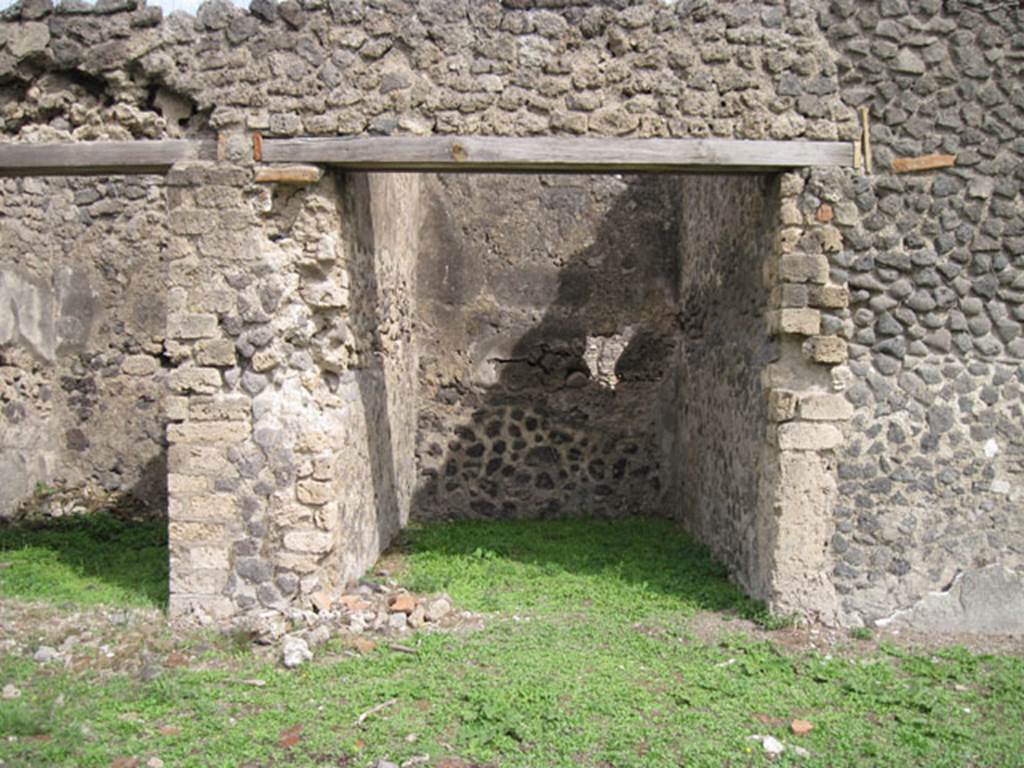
{"x": 591, "y": 346}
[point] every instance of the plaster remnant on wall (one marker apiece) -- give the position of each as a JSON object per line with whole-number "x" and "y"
{"x": 603, "y": 352}
{"x": 27, "y": 315}
{"x": 983, "y": 600}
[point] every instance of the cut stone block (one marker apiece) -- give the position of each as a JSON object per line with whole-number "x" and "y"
{"x": 825, "y": 407}
{"x": 208, "y": 432}
{"x": 227, "y": 408}
{"x": 826, "y": 349}
{"x": 200, "y": 380}
{"x": 197, "y": 326}
{"x": 803, "y": 268}
{"x": 781, "y": 404}
{"x": 314, "y": 542}
{"x": 806, "y": 436}
{"x": 829, "y": 296}
{"x": 216, "y": 352}
{"x": 800, "y": 322}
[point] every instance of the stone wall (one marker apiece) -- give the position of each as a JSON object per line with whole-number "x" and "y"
{"x": 438, "y": 66}
{"x": 291, "y": 448}
{"x": 727, "y": 231}
{"x": 888, "y": 477}
{"x": 931, "y": 479}
{"x": 546, "y": 322}
{"x": 82, "y": 371}
{"x": 384, "y": 214}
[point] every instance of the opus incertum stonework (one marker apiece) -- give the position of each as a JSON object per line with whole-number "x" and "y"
{"x": 817, "y": 367}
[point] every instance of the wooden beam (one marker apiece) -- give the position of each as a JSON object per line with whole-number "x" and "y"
{"x": 99, "y": 158}
{"x": 922, "y": 163}
{"x": 436, "y": 153}
{"x": 440, "y": 153}
{"x": 289, "y": 174}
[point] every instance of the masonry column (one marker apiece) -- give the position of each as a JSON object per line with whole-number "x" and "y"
{"x": 798, "y": 488}
{"x": 210, "y": 419}
{"x": 292, "y": 420}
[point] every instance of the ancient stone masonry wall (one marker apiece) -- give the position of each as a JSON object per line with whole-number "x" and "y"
{"x": 438, "y": 66}
{"x": 714, "y": 400}
{"x": 546, "y": 323}
{"x": 383, "y": 214}
{"x": 892, "y": 453}
{"x": 82, "y": 276}
{"x": 797, "y": 496}
{"x": 281, "y": 315}
{"x": 756, "y": 418}
{"x": 931, "y": 479}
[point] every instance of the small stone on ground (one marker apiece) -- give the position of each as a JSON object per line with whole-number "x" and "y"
{"x": 295, "y": 651}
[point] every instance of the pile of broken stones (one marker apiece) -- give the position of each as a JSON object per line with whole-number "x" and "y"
{"x": 372, "y": 611}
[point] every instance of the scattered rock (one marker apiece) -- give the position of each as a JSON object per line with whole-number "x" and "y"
{"x": 319, "y": 635}
{"x": 800, "y": 727}
{"x": 402, "y": 603}
{"x": 10, "y": 691}
{"x": 295, "y": 651}
{"x": 437, "y": 609}
{"x": 175, "y": 659}
{"x": 290, "y": 736}
{"x": 151, "y": 670}
{"x": 357, "y": 623}
{"x": 363, "y": 645}
{"x": 771, "y": 745}
{"x": 354, "y": 602}
{"x": 265, "y": 628}
{"x": 154, "y": 762}
{"x": 382, "y": 608}
{"x": 46, "y": 654}
{"x": 322, "y": 601}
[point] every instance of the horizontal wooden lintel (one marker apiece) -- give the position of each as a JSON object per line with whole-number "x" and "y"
{"x": 93, "y": 158}
{"x": 436, "y": 153}
{"x": 582, "y": 155}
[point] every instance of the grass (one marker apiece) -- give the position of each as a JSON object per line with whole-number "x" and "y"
{"x": 96, "y": 559}
{"x": 589, "y": 658}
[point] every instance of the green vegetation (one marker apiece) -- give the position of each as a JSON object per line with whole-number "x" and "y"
{"x": 593, "y": 655}
{"x": 861, "y": 633}
{"x": 96, "y": 559}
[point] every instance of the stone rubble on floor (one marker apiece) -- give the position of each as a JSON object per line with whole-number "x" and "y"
{"x": 379, "y": 609}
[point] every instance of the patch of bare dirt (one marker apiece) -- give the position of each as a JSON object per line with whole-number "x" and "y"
{"x": 710, "y": 627}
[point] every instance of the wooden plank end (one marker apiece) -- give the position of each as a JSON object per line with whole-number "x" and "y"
{"x": 922, "y": 163}
{"x": 289, "y": 174}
